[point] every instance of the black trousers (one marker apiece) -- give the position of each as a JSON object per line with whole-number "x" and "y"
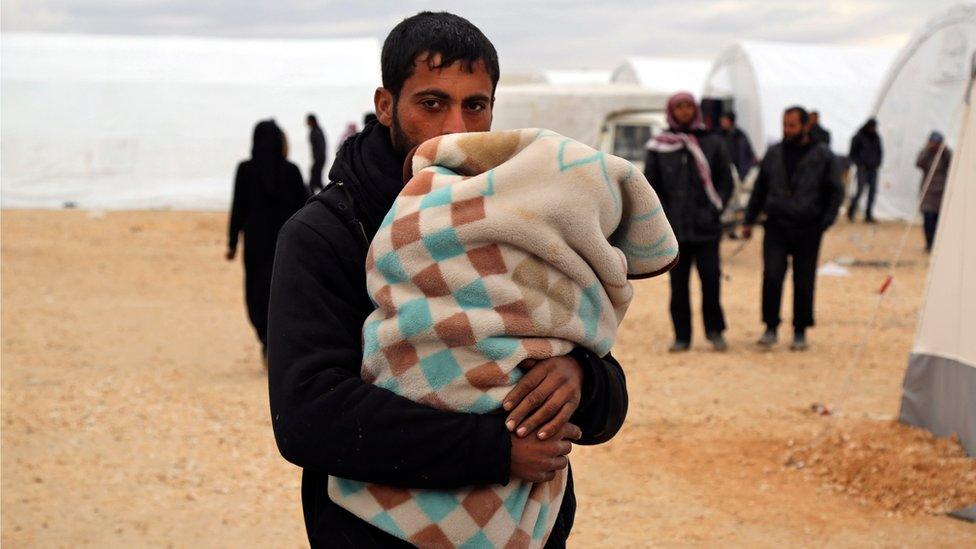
{"x": 257, "y": 291}
{"x": 315, "y": 179}
{"x": 930, "y": 222}
{"x": 803, "y": 245}
{"x": 866, "y": 177}
{"x": 706, "y": 258}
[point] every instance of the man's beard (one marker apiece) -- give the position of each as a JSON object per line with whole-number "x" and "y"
{"x": 794, "y": 139}
{"x": 401, "y": 143}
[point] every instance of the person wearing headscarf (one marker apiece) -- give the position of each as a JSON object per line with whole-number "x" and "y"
{"x": 866, "y": 153}
{"x": 929, "y": 160}
{"x": 268, "y": 189}
{"x": 691, "y": 171}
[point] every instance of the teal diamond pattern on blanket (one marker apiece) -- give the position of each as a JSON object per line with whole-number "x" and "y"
{"x": 390, "y": 384}
{"x": 390, "y": 216}
{"x": 436, "y": 197}
{"x": 348, "y": 487}
{"x": 477, "y": 541}
{"x": 443, "y": 244}
{"x": 497, "y": 348}
{"x": 473, "y": 296}
{"x": 436, "y": 505}
{"x": 483, "y": 405}
{"x": 515, "y": 503}
{"x": 589, "y": 310}
{"x": 390, "y": 267}
{"x": 540, "y": 522}
{"x": 385, "y": 522}
{"x": 371, "y": 338}
{"x": 440, "y": 369}
{"x": 414, "y": 317}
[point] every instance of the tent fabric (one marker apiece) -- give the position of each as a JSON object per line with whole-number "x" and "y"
{"x": 161, "y": 122}
{"x": 764, "y": 78}
{"x": 940, "y": 384}
{"x": 581, "y": 76}
{"x": 664, "y": 75}
{"x": 921, "y": 93}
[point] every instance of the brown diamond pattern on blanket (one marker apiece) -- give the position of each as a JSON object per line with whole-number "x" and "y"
{"x": 519, "y": 540}
{"x": 419, "y": 184}
{"x": 488, "y": 260}
{"x": 406, "y": 230}
{"x": 538, "y": 348}
{"x": 370, "y": 262}
{"x": 481, "y": 505}
{"x": 532, "y": 277}
{"x": 388, "y": 496}
{"x": 401, "y": 355}
{"x": 516, "y": 318}
{"x": 432, "y": 400}
{"x": 455, "y": 331}
{"x": 432, "y": 536}
{"x": 384, "y": 300}
{"x": 467, "y": 211}
{"x": 431, "y": 282}
{"x": 562, "y": 302}
{"x": 486, "y": 376}
{"x": 486, "y": 151}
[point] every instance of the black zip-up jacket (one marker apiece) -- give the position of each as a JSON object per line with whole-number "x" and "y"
{"x": 675, "y": 179}
{"x": 808, "y": 199}
{"x": 866, "y": 150}
{"x": 329, "y": 421}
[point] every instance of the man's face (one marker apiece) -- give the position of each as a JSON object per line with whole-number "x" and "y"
{"x": 684, "y": 112}
{"x": 436, "y": 102}
{"x": 726, "y": 123}
{"x": 793, "y": 129}
{"x": 814, "y": 119}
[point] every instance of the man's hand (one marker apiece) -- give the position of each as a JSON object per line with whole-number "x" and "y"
{"x": 547, "y": 395}
{"x": 747, "y": 232}
{"x": 231, "y": 252}
{"x": 535, "y": 460}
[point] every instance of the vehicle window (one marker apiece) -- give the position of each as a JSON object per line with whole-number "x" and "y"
{"x": 629, "y": 141}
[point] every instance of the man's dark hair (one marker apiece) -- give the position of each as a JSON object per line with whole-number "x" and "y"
{"x": 730, "y": 115}
{"x": 804, "y": 115}
{"x": 311, "y": 118}
{"x": 451, "y": 37}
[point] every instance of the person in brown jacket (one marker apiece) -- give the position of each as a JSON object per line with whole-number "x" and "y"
{"x": 931, "y": 200}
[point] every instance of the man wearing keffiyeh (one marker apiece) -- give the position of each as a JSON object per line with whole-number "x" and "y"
{"x": 690, "y": 170}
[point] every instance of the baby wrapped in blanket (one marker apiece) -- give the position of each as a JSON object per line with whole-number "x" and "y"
{"x": 503, "y": 246}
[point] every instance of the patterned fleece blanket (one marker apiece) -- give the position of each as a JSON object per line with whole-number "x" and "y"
{"x": 502, "y": 246}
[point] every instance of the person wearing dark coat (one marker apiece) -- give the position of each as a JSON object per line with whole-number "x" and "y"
{"x": 818, "y": 134}
{"x": 931, "y": 202}
{"x": 800, "y": 191}
{"x": 268, "y": 189}
{"x": 316, "y": 138}
{"x": 866, "y": 154}
{"x": 439, "y": 76}
{"x": 738, "y": 145}
{"x": 691, "y": 172}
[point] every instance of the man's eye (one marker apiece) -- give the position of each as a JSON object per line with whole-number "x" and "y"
{"x": 431, "y": 103}
{"x": 477, "y": 107}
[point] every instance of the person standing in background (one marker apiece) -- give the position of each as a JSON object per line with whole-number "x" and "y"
{"x": 691, "y": 172}
{"x": 799, "y": 190}
{"x": 931, "y": 201}
{"x": 317, "y": 139}
{"x": 268, "y": 189}
{"x": 818, "y": 134}
{"x": 738, "y": 145}
{"x": 866, "y": 153}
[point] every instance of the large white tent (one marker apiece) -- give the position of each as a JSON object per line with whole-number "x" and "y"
{"x": 922, "y": 92}
{"x": 663, "y": 74}
{"x": 764, "y": 78}
{"x": 157, "y": 122}
{"x": 576, "y": 76}
{"x": 940, "y": 384}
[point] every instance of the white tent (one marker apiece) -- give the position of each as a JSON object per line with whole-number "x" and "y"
{"x": 576, "y": 76}
{"x": 764, "y": 78}
{"x": 157, "y": 122}
{"x": 663, "y": 74}
{"x": 940, "y": 384}
{"x": 921, "y": 93}
{"x": 578, "y": 111}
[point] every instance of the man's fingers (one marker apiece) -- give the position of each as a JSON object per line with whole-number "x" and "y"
{"x": 559, "y": 462}
{"x": 524, "y": 386}
{"x": 528, "y": 405}
{"x": 557, "y": 422}
{"x": 570, "y": 432}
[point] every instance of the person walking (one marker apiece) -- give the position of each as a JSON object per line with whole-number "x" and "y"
{"x": 931, "y": 201}
{"x": 866, "y": 154}
{"x": 738, "y": 145}
{"x": 691, "y": 172}
{"x": 316, "y": 138}
{"x": 268, "y": 189}
{"x": 800, "y": 191}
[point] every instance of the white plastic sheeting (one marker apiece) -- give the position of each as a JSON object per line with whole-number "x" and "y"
{"x": 922, "y": 92}
{"x": 764, "y": 78}
{"x": 161, "y": 122}
{"x": 579, "y": 76}
{"x": 663, "y": 74}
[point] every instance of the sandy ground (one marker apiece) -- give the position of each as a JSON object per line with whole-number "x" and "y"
{"x": 134, "y": 406}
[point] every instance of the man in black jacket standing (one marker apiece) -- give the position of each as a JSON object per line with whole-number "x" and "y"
{"x": 316, "y": 138}
{"x": 799, "y": 189}
{"x": 818, "y": 134}
{"x": 866, "y": 154}
{"x": 691, "y": 172}
{"x": 439, "y": 77}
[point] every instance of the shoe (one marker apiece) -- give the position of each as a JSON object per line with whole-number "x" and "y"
{"x": 679, "y": 346}
{"x": 718, "y": 341}
{"x": 768, "y": 339}
{"x": 799, "y": 342}
{"x": 870, "y": 220}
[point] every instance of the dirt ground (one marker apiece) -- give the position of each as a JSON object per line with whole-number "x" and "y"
{"x": 134, "y": 406}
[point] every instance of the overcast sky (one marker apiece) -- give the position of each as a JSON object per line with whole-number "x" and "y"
{"x": 529, "y": 34}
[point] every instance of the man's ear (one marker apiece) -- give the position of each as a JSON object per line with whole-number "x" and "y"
{"x": 383, "y": 104}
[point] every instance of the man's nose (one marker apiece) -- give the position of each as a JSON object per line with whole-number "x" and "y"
{"x": 454, "y": 122}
